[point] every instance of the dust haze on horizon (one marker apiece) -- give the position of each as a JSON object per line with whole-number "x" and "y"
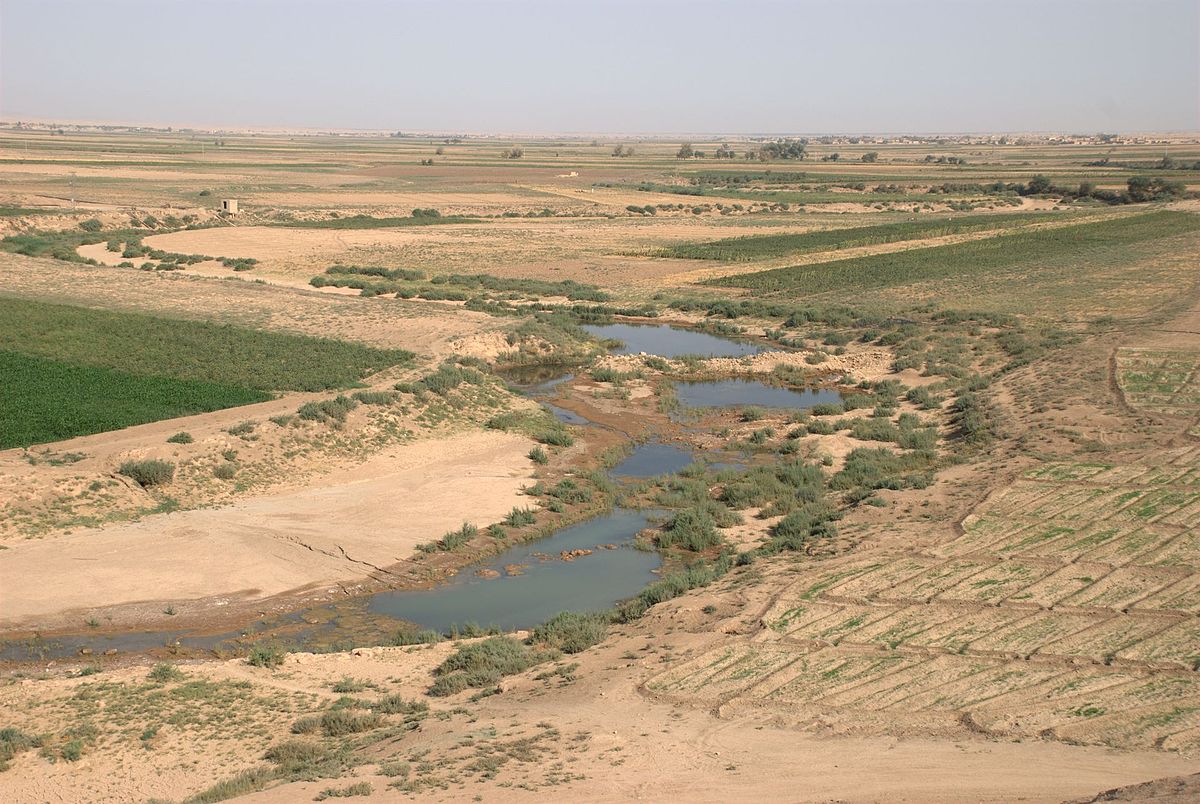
{"x": 533, "y": 66}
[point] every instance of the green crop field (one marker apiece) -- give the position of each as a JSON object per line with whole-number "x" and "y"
{"x": 71, "y": 371}
{"x": 1012, "y": 254}
{"x": 44, "y": 400}
{"x": 755, "y": 247}
{"x": 190, "y": 350}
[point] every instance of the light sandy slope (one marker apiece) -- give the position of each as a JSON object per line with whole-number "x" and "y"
{"x": 370, "y": 516}
{"x": 624, "y": 746}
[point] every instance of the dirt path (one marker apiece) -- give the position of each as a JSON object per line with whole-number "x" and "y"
{"x": 340, "y": 530}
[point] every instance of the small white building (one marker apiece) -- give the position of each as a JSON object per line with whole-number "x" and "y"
{"x": 229, "y": 205}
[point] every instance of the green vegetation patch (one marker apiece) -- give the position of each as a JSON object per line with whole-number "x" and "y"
{"x": 72, "y": 371}
{"x": 1011, "y": 253}
{"x": 43, "y": 400}
{"x": 370, "y": 222}
{"x": 186, "y": 350}
{"x": 757, "y": 247}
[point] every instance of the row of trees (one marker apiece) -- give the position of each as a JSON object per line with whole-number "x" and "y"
{"x": 1138, "y": 190}
{"x": 776, "y": 150}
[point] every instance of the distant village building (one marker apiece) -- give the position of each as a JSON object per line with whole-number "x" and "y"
{"x": 229, "y": 205}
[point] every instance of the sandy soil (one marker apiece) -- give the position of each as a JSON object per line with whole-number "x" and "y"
{"x": 427, "y": 328}
{"x": 353, "y": 522}
{"x": 608, "y": 740}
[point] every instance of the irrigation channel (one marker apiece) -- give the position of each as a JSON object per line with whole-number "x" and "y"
{"x": 518, "y": 588}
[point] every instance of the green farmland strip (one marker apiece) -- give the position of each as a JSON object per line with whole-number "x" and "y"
{"x": 43, "y": 400}
{"x": 368, "y": 222}
{"x": 1060, "y": 249}
{"x": 186, "y": 350}
{"x": 756, "y": 247}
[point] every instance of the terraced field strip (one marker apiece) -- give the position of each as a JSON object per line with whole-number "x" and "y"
{"x": 1160, "y": 380}
{"x": 1067, "y": 607}
{"x": 1113, "y": 705}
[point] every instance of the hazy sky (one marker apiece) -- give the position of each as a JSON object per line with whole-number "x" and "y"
{"x": 753, "y": 66}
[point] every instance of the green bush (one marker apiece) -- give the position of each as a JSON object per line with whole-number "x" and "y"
{"x": 481, "y": 664}
{"x": 147, "y": 473}
{"x": 539, "y": 456}
{"x": 519, "y": 517}
{"x": 164, "y": 672}
{"x": 457, "y": 538}
{"x": 374, "y": 397}
{"x": 426, "y": 637}
{"x": 571, "y": 632}
{"x": 13, "y": 742}
{"x": 327, "y": 410}
{"x": 181, "y": 438}
{"x": 691, "y": 529}
{"x": 827, "y": 409}
{"x": 751, "y": 414}
{"x": 225, "y": 471}
{"x": 266, "y": 654}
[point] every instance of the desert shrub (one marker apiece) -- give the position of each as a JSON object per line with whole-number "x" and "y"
{"x": 751, "y": 414}
{"x": 874, "y": 430}
{"x": 480, "y": 664}
{"x": 656, "y": 363}
{"x": 827, "y": 409}
{"x": 872, "y": 468}
{"x": 519, "y": 517}
{"x": 539, "y": 456}
{"x": 396, "y": 705}
{"x": 690, "y": 529}
{"x": 348, "y": 684}
{"x": 249, "y": 781}
{"x": 615, "y": 377}
{"x": 225, "y": 471}
{"x": 356, "y": 789}
{"x": 374, "y": 397}
{"x": 922, "y": 439}
{"x": 13, "y": 742}
{"x": 971, "y": 420}
{"x": 539, "y": 425}
{"x": 425, "y": 637}
{"x": 266, "y": 654}
{"x": 181, "y": 438}
{"x": 797, "y": 529}
{"x": 677, "y": 583}
{"x": 164, "y": 672}
{"x": 923, "y": 398}
{"x": 819, "y": 427}
{"x": 305, "y": 760}
{"x": 242, "y": 428}
{"x": 457, "y": 538}
{"x": 147, "y": 473}
{"x": 339, "y": 723}
{"x": 327, "y": 410}
{"x": 91, "y": 225}
{"x": 571, "y": 632}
